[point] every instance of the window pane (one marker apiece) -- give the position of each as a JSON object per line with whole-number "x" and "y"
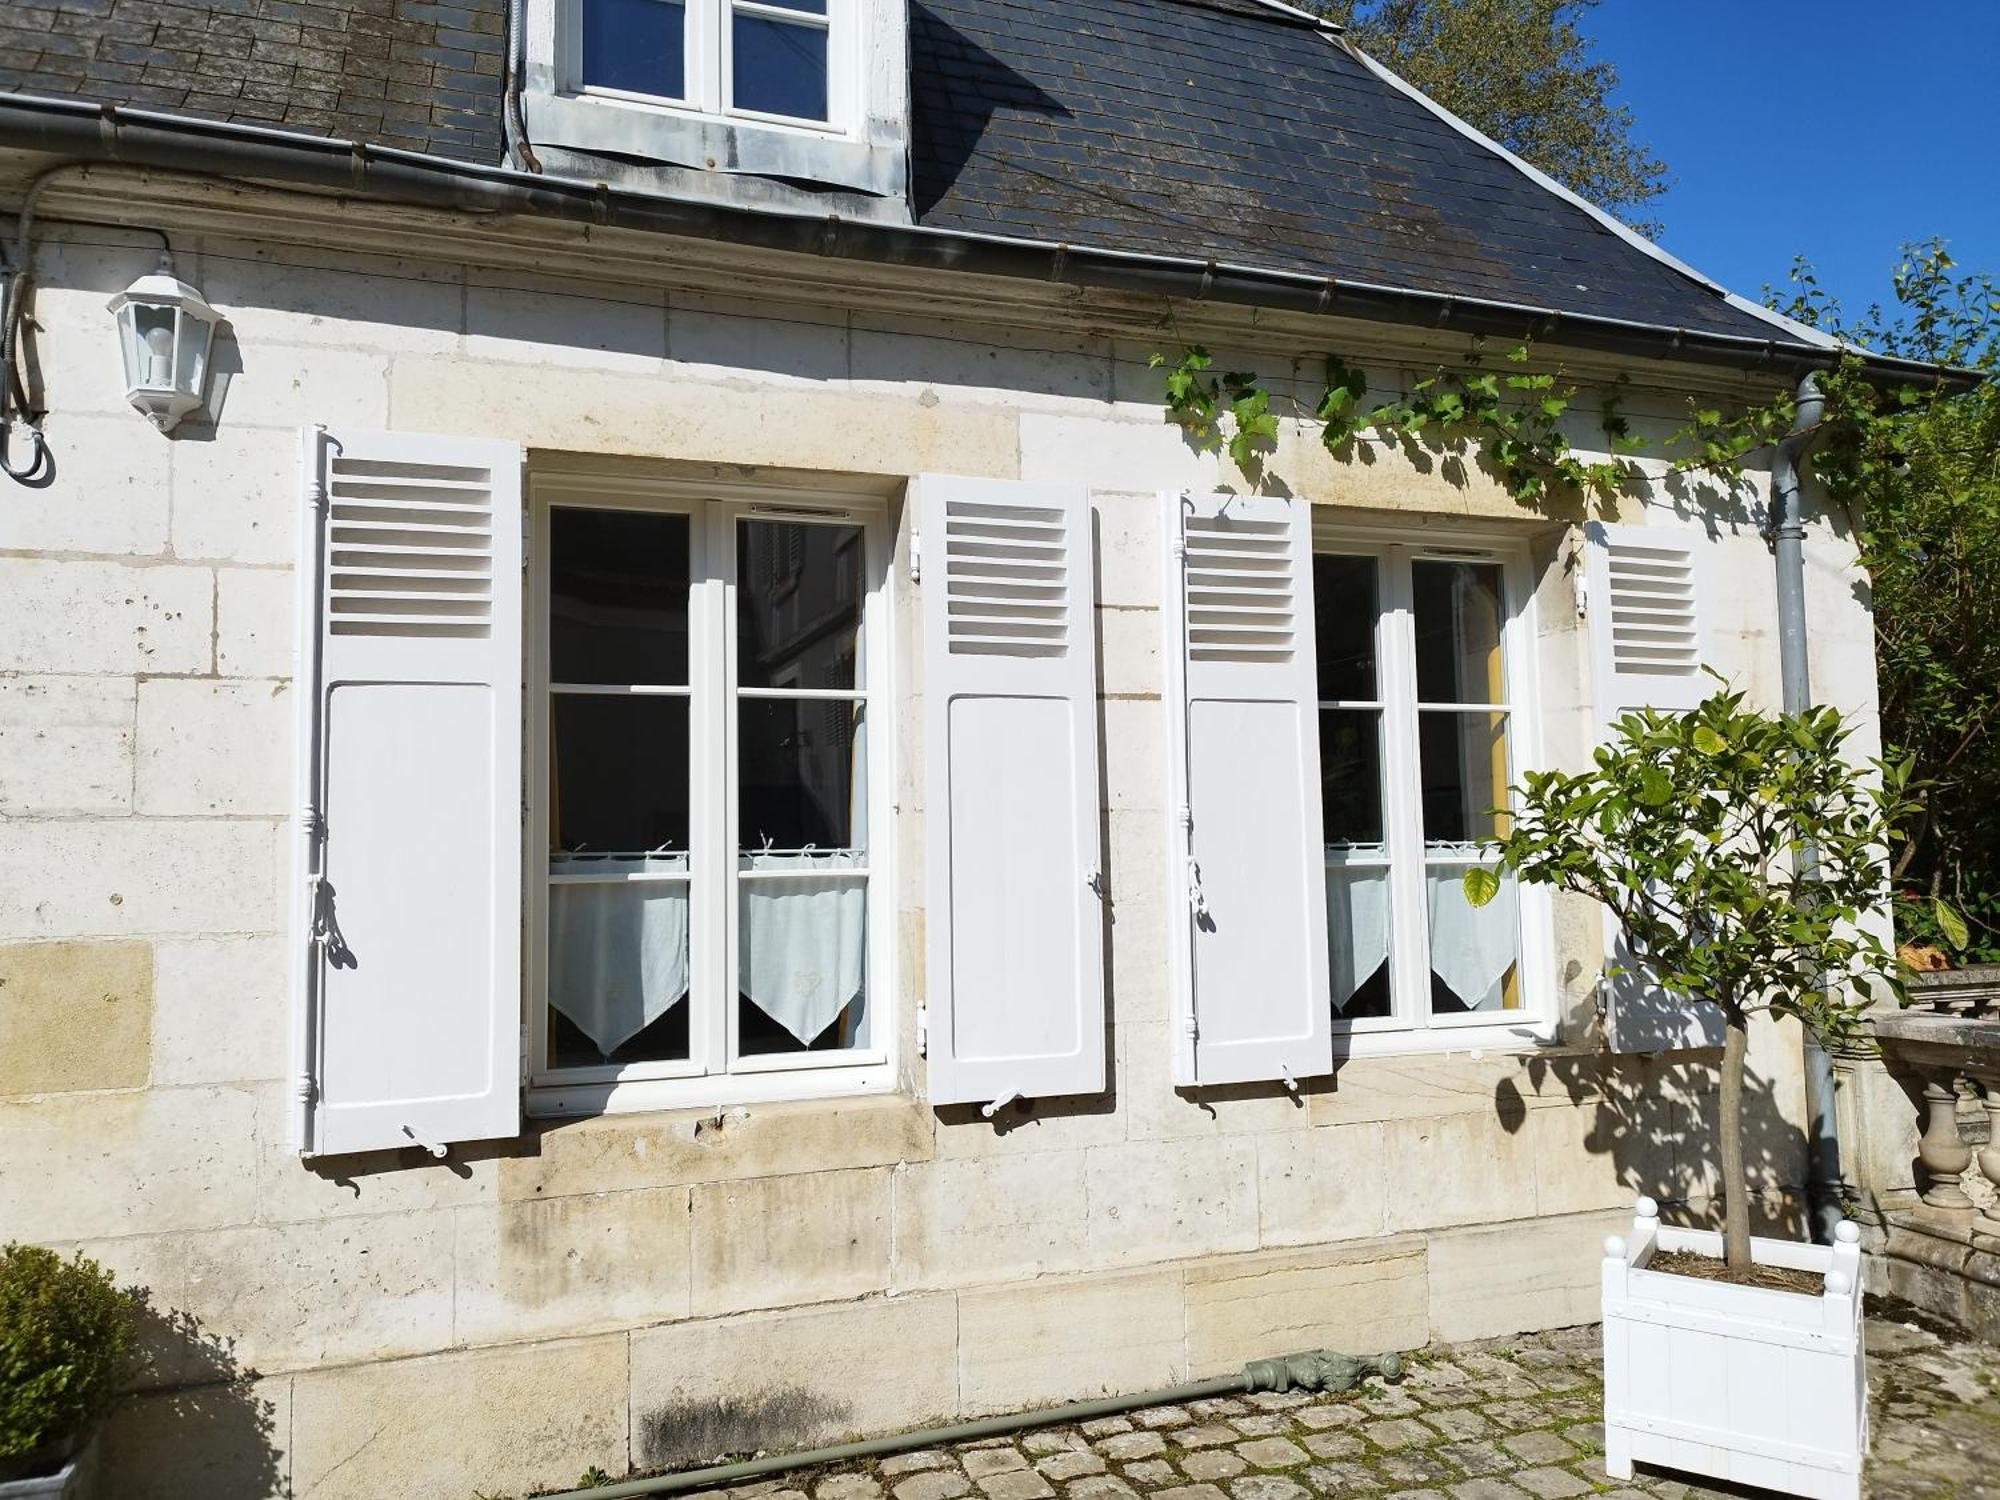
{"x": 803, "y": 7}
{"x": 798, "y": 605}
{"x": 639, "y": 46}
{"x": 802, "y": 954}
{"x": 618, "y": 597}
{"x": 1344, "y": 613}
{"x": 1463, "y": 761}
{"x": 778, "y": 68}
{"x": 1350, "y": 765}
{"x": 802, "y": 765}
{"x": 618, "y": 962}
{"x": 618, "y": 776}
{"x": 1458, "y": 615}
{"x": 1357, "y": 934}
{"x": 1474, "y": 950}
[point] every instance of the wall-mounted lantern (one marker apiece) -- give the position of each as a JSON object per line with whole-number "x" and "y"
{"x": 164, "y": 332}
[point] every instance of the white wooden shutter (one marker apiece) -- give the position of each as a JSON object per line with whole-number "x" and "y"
{"x": 1014, "y": 923}
{"x": 414, "y": 708}
{"x": 1248, "y": 880}
{"x": 1643, "y": 596}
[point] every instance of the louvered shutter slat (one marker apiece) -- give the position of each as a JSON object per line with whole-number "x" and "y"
{"x": 1248, "y": 914}
{"x": 1014, "y": 927}
{"x": 1644, "y": 601}
{"x": 414, "y": 971}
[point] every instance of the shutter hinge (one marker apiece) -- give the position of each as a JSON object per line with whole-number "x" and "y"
{"x": 916, "y": 557}
{"x": 1095, "y": 881}
{"x": 923, "y": 1031}
{"x": 525, "y": 534}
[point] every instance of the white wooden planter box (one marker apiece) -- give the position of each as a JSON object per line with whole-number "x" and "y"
{"x": 1740, "y": 1383}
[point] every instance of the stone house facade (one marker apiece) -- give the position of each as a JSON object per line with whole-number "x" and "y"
{"x": 718, "y": 1140}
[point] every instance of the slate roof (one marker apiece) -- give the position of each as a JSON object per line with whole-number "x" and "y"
{"x": 1217, "y": 129}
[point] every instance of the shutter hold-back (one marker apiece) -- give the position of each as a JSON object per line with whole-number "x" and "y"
{"x": 436, "y": 1148}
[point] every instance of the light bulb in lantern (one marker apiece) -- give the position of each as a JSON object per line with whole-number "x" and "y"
{"x": 160, "y": 355}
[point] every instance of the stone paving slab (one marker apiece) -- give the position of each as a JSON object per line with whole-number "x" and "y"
{"x": 1510, "y": 1419}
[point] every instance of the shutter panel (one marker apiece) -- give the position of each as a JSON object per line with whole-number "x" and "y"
{"x": 1248, "y": 924}
{"x": 415, "y": 708}
{"x": 1644, "y": 598}
{"x": 1645, "y": 625}
{"x": 1014, "y": 925}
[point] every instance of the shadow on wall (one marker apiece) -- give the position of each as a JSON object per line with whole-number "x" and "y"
{"x": 1657, "y": 1116}
{"x": 207, "y": 1428}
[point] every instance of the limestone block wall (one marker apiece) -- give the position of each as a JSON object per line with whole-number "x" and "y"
{"x": 633, "y": 1290}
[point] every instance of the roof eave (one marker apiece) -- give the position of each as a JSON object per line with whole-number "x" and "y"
{"x": 83, "y": 132}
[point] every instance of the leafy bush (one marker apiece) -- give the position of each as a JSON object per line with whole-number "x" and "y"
{"x": 1917, "y": 467}
{"x": 65, "y": 1348}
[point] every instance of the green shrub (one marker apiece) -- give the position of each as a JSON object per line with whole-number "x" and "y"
{"x": 65, "y": 1347}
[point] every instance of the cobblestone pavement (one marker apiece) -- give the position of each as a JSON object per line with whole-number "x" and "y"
{"x": 1495, "y": 1421}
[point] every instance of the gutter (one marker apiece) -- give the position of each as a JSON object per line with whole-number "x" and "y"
{"x": 83, "y": 132}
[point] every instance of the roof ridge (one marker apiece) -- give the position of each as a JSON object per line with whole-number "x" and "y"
{"x": 1610, "y": 222}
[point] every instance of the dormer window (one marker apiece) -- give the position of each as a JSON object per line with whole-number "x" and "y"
{"x": 779, "y": 60}
{"x": 811, "y": 96}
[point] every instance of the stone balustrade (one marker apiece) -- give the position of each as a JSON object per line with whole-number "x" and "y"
{"x": 1925, "y": 1160}
{"x": 1945, "y": 1052}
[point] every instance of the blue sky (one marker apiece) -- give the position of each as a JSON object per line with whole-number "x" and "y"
{"x": 1835, "y": 130}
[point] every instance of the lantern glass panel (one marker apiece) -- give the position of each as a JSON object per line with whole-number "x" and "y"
{"x": 191, "y": 353}
{"x": 154, "y": 346}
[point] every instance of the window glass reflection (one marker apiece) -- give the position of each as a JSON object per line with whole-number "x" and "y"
{"x": 803, "y": 774}
{"x": 778, "y": 68}
{"x": 1462, "y": 758}
{"x": 1458, "y": 609}
{"x": 799, "y": 591}
{"x": 636, "y": 46}
{"x": 1344, "y": 614}
{"x": 618, "y": 597}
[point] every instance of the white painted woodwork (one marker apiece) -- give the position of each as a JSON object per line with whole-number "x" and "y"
{"x": 414, "y": 970}
{"x": 1247, "y": 909}
{"x": 1645, "y": 608}
{"x": 1014, "y": 925}
{"x": 1746, "y": 1384}
{"x": 1645, "y": 617}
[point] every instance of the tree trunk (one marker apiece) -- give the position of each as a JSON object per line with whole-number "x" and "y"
{"x": 1735, "y": 1185}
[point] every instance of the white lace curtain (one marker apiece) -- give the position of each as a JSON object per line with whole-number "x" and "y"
{"x": 618, "y": 946}
{"x": 1471, "y": 949}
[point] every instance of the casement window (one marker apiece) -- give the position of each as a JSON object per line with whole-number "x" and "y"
{"x": 611, "y": 820}
{"x": 771, "y": 60}
{"x": 709, "y": 918}
{"x": 807, "y": 92}
{"x": 1419, "y": 680}
{"x": 1345, "y": 715}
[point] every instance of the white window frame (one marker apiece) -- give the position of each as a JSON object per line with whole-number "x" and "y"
{"x": 709, "y": 74}
{"x": 1411, "y": 1027}
{"x": 713, "y": 1075}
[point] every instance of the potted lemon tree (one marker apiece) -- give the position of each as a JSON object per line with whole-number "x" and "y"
{"x": 65, "y": 1352}
{"x": 1744, "y": 855}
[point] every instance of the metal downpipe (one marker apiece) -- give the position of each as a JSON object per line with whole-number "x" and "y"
{"x": 1315, "y": 1370}
{"x": 1788, "y": 532}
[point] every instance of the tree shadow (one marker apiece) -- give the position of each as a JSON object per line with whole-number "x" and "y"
{"x": 201, "y": 1424}
{"x": 1657, "y": 1117}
